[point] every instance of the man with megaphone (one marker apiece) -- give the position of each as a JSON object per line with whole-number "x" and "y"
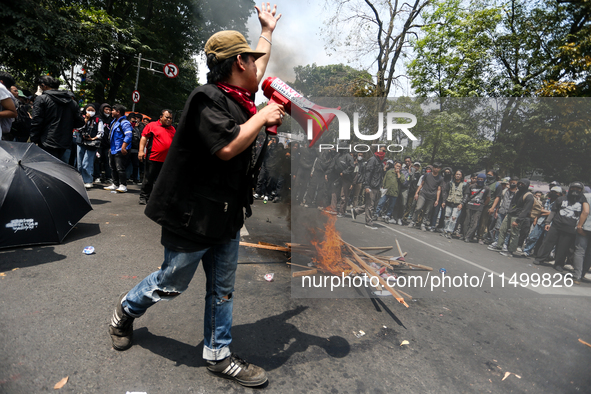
{"x": 203, "y": 189}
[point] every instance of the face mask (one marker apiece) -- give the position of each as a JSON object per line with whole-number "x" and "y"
{"x": 490, "y": 178}
{"x": 512, "y": 186}
{"x": 447, "y": 175}
{"x": 522, "y": 188}
{"x": 91, "y": 113}
{"x": 480, "y": 181}
{"x": 359, "y": 158}
{"x": 574, "y": 193}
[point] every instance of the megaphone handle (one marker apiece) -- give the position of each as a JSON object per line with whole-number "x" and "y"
{"x": 272, "y": 130}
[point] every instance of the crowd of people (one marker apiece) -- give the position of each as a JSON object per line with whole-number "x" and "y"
{"x": 506, "y": 214}
{"x": 103, "y": 143}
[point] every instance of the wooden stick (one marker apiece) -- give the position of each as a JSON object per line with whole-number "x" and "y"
{"x": 304, "y": 273}
{"x": 584, "y": 343}
{"x": 380, "y": 279}
{"x": 385, "y": 248}
{"x": 279, "y": 248}
{"x": 354, "y": 266}
{"x": 405, "y": 294}
{"x": 398, "y": 246}
{"x": 305, "y": 266}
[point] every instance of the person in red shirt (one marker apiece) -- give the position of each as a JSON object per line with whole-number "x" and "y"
{"x": 158, "y": 135}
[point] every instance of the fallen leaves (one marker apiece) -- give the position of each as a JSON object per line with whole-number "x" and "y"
{"x": 61, "y": 383}
{"x": 405, "y": 343}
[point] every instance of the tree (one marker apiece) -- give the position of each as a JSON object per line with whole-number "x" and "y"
{"x": 335, "y": 80}
{"x": 51, "y": 36}
{"x": 380, "y": 30}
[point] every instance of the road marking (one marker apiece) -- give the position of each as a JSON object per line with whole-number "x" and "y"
{"x": 572, "y": 291}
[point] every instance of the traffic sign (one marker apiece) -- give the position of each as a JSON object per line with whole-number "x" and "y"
{"x": 135, "y": 96}
{"x": 171, "y": 70}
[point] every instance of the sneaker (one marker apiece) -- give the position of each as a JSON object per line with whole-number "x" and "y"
{"x": 121, "y": 189}
{"x": 505, "y": 248}
{"x": 111, "y": 188}
{"x": 392, "y": 221}
{"x": 353, "y": 215}
{"x": 432, "y": 229}
{"x": 400, "y": 222}
{"x": 481, "y": 241}
{"x": 371, "y": 226}
{"x": 121, "y": 327}
{"x": 519, "y": 250}
{"x": 256, "y": 196}
{"x": 276, "y": 199}
{"x": 88, "y": 185}
{"x": 340, "y": 215}
{"x": 411, "y": 224}
{"x": 493, "y": 246}
{"x": 448, "y": 235}
{"x": 525, "y": 254}
{"x": 266, "y": 198}
{"x": 507, "y": 254}
{"x": 234, "y": 368}
{"x": 97, "y": 180}
{"x": 143, "y": 201}
{"x": 558, "y": 268}
{"x": 423, "y": 228}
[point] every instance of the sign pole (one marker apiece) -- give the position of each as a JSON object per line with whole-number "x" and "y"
{"x": 137, "y": 78}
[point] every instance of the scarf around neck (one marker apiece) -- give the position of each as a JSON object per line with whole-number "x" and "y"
{"x": 242, "y": 96}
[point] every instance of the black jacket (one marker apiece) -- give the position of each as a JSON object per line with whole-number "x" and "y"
{"x": 55, "y": 116}
{"x": 521, "y": 206}
{"x": 374, "y": 173}
{"x": 344, "y": 164}
{"x": 198, "y": 195}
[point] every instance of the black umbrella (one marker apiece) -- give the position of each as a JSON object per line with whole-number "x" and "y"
{"x": 41, "y": 197}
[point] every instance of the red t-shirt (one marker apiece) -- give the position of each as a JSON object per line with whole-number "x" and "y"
{"x": 161, "y": 139}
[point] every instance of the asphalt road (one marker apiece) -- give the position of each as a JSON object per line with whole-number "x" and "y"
{"x": 56, "y": 303}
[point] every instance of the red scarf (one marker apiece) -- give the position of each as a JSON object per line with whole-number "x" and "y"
{"x": 381, "y": 155}
{"x": 242, "y": 96}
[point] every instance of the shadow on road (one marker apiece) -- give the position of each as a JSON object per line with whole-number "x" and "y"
{"x": 81, "y": 231}
{"x": 27, "y": 257}
{"x": 95, "y": 201}
{"x": 268, "y": 343}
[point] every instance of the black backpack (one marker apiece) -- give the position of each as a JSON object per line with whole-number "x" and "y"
{"x": 22, "y": 124}
{"x": 137, "y": 136}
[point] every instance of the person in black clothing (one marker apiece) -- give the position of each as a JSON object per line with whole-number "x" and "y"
{"x": 427, "y": 196}
{"x": 102, "y": 169}
{"x": 519, "y": 210}
{"x": 372, "y": 182}
{"x": 562, "y": 224}
{"x": 267, "y": 177}
{"x": 474, "y": 201}
{"x": 306, "y": 160}
{"x": 55, "y": 116}
{"x": 316, "y": 194}
{"x": 437, "y": 220}
{"x": 203, "y": 194}
{"x": 345, "y": 165}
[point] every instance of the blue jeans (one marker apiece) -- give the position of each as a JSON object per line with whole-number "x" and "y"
{"x": 219, "y": 264}
{"x": 387, "y": 204}
{"x": 85, "y": 163}
{"x": 533, "y": 237}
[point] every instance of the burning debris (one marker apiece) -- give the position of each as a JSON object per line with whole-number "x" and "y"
{"x": 333, "y": 256}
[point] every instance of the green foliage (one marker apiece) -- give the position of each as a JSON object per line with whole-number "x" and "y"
{"x": 335, "y": 80}
{"x": 51, "y": 36}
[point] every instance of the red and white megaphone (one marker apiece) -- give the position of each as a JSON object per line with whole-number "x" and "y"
{"x": 301, "y": 109}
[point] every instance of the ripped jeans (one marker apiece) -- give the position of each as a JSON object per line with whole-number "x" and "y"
{"x": 219, "y": 264}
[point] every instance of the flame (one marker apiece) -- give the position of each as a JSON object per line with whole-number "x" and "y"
{"x": 328, "y": 251}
